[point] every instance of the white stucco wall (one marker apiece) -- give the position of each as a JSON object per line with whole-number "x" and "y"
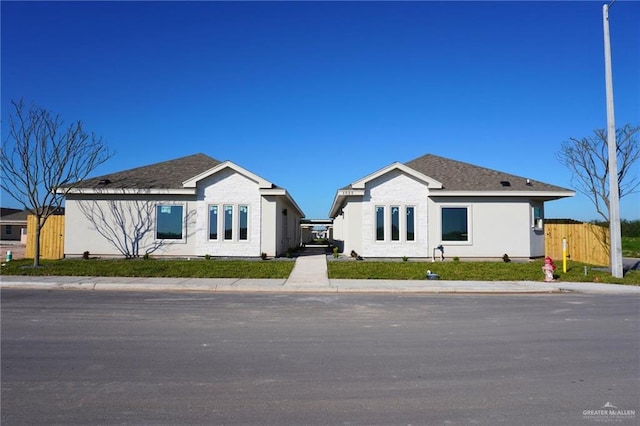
{"x": 392, "y": 189}
{"x": 497, "y": 226}
{"x": 228, "y": 187}
{"x": 279, "y": 232}
{"x": 268, "y": 233}
{"x": 101, "y": 223}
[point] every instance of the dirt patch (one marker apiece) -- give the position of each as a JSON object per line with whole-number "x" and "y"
{"x": 17, "y": 250}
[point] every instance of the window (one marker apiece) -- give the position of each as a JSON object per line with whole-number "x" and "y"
{"x": 395, "y": 223}
{"x": 537, "y": 217}
{"x": 379, "y": 223}
{"x": 228, "y": 222}
{"x": 455, "y": 225}
{"x": 8, "y": 230}
{"x": 213, "y": 222}
{"x": 411, "y": 233}
{"x": 169, "y": 222}
{"x": 244, "y": 221}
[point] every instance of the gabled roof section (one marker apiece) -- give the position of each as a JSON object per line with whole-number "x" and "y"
{"x": 159, "y": 176}
{"x": 445, "y": 177}
{"x": 192, "y": 181}
{"x": 459, "y": 176}
{"x": 428, "y": 181}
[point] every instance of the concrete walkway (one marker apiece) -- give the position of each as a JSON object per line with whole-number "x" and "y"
{"x": 309, "y": 271}
{"x": 309, "y": 275}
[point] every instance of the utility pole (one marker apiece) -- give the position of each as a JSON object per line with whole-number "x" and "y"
{"x": 614, "y": 194}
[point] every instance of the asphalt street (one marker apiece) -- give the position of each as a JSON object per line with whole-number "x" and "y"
{"x": 74, "y": 357}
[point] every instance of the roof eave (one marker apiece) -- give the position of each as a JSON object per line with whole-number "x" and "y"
{"x": 281, "y": 192}
{"x": 128, "y": 191}
{"x": 339, "y": 198}
{"x": 543, "y": 195}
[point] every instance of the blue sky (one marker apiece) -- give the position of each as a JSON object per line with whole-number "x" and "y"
{"x": 315, "y": 95}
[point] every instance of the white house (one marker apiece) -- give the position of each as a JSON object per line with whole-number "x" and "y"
{"x": 190, "y": 206}
{"x": 413, "y": 208}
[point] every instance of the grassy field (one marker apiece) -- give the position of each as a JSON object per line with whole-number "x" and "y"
{"x": 463, "y": 271}
{"x": 631, "y": 246}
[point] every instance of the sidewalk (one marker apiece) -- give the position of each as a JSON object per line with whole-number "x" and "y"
{"x": 309, "y": 275}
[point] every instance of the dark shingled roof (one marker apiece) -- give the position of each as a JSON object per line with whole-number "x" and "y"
{"x": 458, "y": 176}
{"x": 166, "y": 175}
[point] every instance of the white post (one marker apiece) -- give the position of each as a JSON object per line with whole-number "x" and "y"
{"x": 614, "y": 196}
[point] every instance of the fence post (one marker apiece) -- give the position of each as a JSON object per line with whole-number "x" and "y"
{"x": 564, "y": 255}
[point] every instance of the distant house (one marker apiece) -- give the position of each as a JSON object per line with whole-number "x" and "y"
{"x": 413, "y": 208}
{"x": 13, "y": 225}
{"x": 190, "y": 206}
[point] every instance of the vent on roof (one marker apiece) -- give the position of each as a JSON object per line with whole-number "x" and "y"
{"x": 505, "y": 183}
{"x": 104, "y": 182}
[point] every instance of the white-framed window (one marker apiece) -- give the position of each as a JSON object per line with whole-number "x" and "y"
{"x": 228, "y": 222}
{"x": 243, "y": 213}
{"x": 170, "y": 222}
{"x": 537, "y": 216}
{"x": 213, "y": 222}
{"x": 410, "y": 228}
{"x": 455, "y": 223}
{"x": 379, "y": 223}
{"x": 395, "y": 223}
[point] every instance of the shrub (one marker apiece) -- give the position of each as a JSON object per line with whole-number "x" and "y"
{"x": 335, "y": 252}
{"x": 263, "y": 256}
{"x": 85, "y": 255}
{"x": 456, "y": 259}
{"x": 405, "y": 258}
{"x": 207, "y": 256}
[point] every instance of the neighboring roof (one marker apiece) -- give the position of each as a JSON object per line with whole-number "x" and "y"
{"x": 4, "y": 211}
{"x": 458, "y": 176}
{"x": 13, "y": 215}
{"x": 165, "y": 175}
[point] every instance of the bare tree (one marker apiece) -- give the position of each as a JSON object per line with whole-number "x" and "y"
{"x": 127, "y": 222}
{"x": 41, "y": 156}
{"x": 124, "y": 223}
{"x": 588, "y": 161}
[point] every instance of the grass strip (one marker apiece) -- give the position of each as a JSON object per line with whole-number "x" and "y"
{"x": 278, "y": 269}
{"x": 472, "y": 271}
{"x": 152, "y": 268}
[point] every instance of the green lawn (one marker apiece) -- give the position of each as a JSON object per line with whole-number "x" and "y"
{"x": 412, "y": 270}
{"x": 468, "y": 271}
{"x": 154, "y": 268}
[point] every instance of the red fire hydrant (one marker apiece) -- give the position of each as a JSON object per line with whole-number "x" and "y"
{"x": 548, "y": 269}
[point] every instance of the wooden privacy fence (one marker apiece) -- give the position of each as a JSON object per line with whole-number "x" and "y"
{"x": 586, "y": 242}
{"x": 51, "y": 238}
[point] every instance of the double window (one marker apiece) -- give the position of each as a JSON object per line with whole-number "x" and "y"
{"x": 394, "y": 225}
{"x": 227, "y": 223}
